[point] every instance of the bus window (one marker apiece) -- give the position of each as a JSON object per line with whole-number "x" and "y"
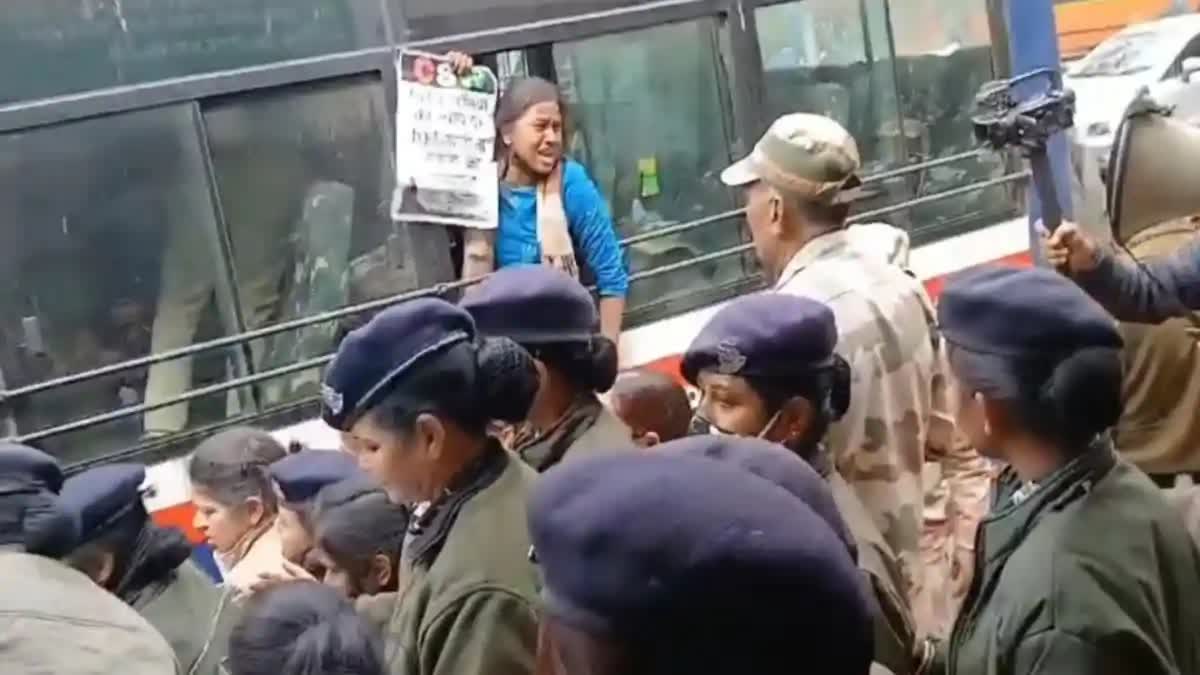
{"x": 832, "y": 58}
{"x": 650, "y": 125}
{"x": 55, "y": 47}
{"x": 943, "y": 57}
{"x": 84, "y": 218}
{"x": 304, "y": 180}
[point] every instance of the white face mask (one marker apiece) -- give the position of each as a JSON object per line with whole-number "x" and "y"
{"x": 714, "y": 430}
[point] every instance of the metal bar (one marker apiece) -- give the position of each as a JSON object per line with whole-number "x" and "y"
{"x": 233, "y": 340}
{"x": 922, "y": 166}
{"x": 681, "y": 227}
{"x": 441, "y": 289}
{"x": 948, "y": 194}
{"x": 143, "y": 408}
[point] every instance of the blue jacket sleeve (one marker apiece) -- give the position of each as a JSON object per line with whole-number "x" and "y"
{"x": 1150, "y": 293}
{"x": 593, "y": 232}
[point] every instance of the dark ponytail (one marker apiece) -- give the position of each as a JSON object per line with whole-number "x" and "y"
{"x": 303, "y": 628}
{"x": 590, "y": 366}
{"x": 1078, "y": 400}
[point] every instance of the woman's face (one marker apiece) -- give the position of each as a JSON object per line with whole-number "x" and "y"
{"x": 223, "y": 525}
{"x": 402, "y": 463}
{"x": 536, "y": 138}
{"x": 294, "y": 536}
{"x": 730, "y": 405}
{"x": 374, "y": 578}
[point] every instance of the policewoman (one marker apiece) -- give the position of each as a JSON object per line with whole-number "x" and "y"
{"x": 414, "y": 391}
{"x": 298, "y": 479}
{"x": 554, "y": 317}
{"x": 148, "y": 567}
{"x": 53, "y": 619}
{"x": 675, "y": 565}
{"x": 1082, "y": 565}
{"x": 765, "y": 367}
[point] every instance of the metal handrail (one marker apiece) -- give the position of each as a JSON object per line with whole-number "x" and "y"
{"x": 320, "y": 361}
{"x": 441, "y": 289}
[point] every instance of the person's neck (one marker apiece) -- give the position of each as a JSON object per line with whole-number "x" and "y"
{"x": 520, "y": 175}
{"x": 461, "y": 452}
{"x": 554, "y": 398}
{"x": 790, "y": 246}
{"x": 1034, "y": 460}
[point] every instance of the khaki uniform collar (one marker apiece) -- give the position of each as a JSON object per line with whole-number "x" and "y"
{"x": 815, "y": 249}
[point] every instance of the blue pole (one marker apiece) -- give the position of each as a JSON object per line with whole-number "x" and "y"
{"x": 1033, "y": 44}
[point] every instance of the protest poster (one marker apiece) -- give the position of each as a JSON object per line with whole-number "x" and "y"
{"x": 445, "y": 144}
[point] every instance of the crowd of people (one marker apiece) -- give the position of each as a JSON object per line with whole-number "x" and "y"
{"x": 869, "y": 483}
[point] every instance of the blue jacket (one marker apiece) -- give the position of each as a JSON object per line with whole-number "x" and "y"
{"x": 589, "y": 222}
{"x": 1152, "y": 293}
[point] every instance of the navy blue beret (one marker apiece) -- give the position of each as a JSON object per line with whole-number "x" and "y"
{"x": 371, "y": 359}
{"x": 697, "y": 562}
{"x": 533, "y": 304}
{"x": 766, "y": 334}
{"x": 774, "y": 463}
{"x": 1022, "y": 313}
{"x": 23, "y": 465}
{"x": 103, "y": 496}
{"x": 302, "y": 475}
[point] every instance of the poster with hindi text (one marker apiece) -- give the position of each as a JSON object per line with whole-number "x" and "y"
{"x": 445, "y": 144}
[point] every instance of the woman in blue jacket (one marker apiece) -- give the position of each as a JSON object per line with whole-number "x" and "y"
{"x": 550, "y": 210}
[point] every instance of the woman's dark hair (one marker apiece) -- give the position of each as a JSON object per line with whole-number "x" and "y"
{"x": 303, "y": 628}
{"x": 143, "y": 554}
{"x": 1068, "y": 401}
{"x": 232, "y": 465}
{"x": 827, "y": 389}
{"x": 356, "y": 522}
{"x": 591, "y": 366}
{"x": 471, "y": 384}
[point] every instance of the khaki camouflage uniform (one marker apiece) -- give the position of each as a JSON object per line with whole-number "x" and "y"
{"x": 900, "y": 418}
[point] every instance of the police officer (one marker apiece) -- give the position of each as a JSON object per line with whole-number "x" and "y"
{"x": 414, "y": 391}
{"x": 671, "y": 564}
{"x": 298, "y": 478}
{"x": 52, "y": 618}
{"x": 148, "y": 567}
{"x": 1151, "y": 292}
{"x": 765, "y": 366}
{"x": 797, "y": 184}
{"x": 553, "y": 316}
{"x": 1083, "y": 567}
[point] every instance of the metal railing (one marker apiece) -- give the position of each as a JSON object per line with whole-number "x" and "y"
{"x": 7, "y": 397}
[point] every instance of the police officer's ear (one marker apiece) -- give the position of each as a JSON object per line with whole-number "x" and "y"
{"x": 429, "y": 436}
{"x": 256, "y": 510}
{"x": 381, "y": 570}
{"x": 647, "y": 439}
{"x": 795, "y": 419}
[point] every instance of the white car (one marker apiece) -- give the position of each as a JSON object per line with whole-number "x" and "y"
{"x": 1162, "y": 56}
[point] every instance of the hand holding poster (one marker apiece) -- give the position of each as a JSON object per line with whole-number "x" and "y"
{"x": 445, "y": 143}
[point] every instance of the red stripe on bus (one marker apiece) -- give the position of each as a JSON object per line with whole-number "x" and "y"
{"x": 180, "y": 516}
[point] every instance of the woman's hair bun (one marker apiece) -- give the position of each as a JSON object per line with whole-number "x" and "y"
{"x": 1084, "y": 391}
{"x": 839, "y": 388}
{"x": 603, "y": 364}
{"x": 507, "y": 379}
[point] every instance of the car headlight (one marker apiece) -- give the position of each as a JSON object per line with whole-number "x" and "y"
{"x": 1099, "y": 129}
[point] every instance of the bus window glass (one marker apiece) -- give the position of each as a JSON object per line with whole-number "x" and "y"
{"x": 649, "y": 123}
{"x": 86, "y": 211}
{"x": 423, "y": 19}
{"x": 55, "y": 47}
{"x": 832, "y": 58}
{"x": 943, "y": 54}
{"x": 304, "y": 181}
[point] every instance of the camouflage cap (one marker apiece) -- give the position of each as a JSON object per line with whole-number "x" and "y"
{"x": 810, "y": 156}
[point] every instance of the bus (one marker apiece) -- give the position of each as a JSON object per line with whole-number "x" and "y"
{"x": 1083, "y": 24}
{"x": 196, "y": 193}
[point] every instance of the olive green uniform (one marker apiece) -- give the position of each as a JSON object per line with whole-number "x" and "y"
{"x": 588, "y": 428}
{"x": 471, "y": 609}
{"x": 195, "y": 616}
{"x": 1091, "y": 572}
